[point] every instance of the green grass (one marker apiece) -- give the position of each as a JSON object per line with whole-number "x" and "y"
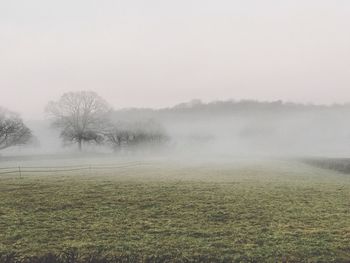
{"x": 262, "y": 212}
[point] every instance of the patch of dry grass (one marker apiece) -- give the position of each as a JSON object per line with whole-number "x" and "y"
{"x": 244, "y": 213}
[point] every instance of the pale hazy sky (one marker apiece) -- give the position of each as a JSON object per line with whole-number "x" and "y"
{"x": 155, "y": 53}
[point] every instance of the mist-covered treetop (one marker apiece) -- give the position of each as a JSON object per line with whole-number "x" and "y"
{"x": 235, "y": 106}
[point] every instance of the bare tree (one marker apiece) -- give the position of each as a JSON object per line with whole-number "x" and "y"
{"x": 81, "y": 116}
{"x": 12, "y": 130}
{"x": 133, "y": 134}
{"x": 117, "y": 135}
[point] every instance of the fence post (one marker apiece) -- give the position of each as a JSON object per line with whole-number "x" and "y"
{"x": 19, "y": 171}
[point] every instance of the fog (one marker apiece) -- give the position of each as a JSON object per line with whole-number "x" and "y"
{"x": 250, "y": 128}
{"x": 151, "y": 55}
{"x": 218, "y": 130}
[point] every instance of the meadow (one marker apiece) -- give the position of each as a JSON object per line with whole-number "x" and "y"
{"x": 173, "y": 211}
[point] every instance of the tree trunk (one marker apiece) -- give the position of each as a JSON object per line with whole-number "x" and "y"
{"x": 80, "y": 145}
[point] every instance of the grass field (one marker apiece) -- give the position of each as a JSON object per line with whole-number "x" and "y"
{"x": 261, "y": 211}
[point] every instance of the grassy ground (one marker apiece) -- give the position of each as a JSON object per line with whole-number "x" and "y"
{"x": 261, "y": 212}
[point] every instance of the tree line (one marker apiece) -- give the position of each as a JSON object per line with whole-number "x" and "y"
{"x": 84, "y": 118}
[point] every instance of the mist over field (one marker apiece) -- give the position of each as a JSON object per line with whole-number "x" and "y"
{"x": 154, "y": 55}
{"x": 223, "y": 128}
{"x": 184, "y": 131}
{"x": 254, "y": 128}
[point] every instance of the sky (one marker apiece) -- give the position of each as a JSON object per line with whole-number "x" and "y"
{"x": 158, "y": 53}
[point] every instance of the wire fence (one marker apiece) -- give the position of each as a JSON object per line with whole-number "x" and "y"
{"x": 65, "y": 168}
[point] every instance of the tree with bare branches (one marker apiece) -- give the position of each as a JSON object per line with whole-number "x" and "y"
{"x": 131, "y": 135}
{"x": 81, "y": 117}
{"x": 12, "y": 130}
